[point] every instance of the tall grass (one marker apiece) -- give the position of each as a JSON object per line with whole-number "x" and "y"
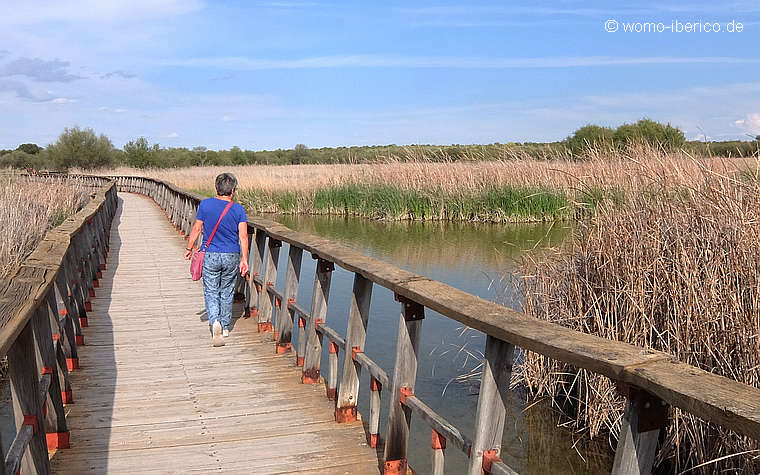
{"x": 673, "y": 268}
{"x": 28, "y": 210}
{"x": 511, "y": 189}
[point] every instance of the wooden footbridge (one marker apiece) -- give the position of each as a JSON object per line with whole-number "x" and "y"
{"x": 111, "y": 369}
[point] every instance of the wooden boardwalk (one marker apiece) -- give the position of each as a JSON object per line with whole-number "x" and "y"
{"x": 153, "y": 395}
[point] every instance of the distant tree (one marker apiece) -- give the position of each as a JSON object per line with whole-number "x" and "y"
{"x": 757, "y": 138}
{"x": 30, "y": 148}
{"x": 138, "y": 153}
{"x": 590, "y": 137}
{"x": 81, "y": 148}
{"x": 300, "y": 154}
{"x": 237, "y": 156}
{"x": 201, "y": 155}
{"x": 650, "y": 132}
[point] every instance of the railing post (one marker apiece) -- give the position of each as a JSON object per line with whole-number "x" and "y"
{"x": 285, "y": 314}
{"x": 270, "y": 277}
{"x": 404, "y": 378}
{"x": 22, "y": 368}
{"x": 374, "y": 411}
{"x": 55, "y": 419}
{"x": 492, "y": 403}
{"x": 256, "y": 258}
{"x": 70, "y": 335}
{"x": 319, "y": 297}
{"x": 438, "y": 445}
{"x": 60, "y": 355}
{"x": 644, "y": 416}
{"x": 356, "y": 334}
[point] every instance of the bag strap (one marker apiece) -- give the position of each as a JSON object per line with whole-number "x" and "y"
{"x": 213, "y": 231}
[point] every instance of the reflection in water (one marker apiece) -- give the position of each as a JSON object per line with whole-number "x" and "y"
{"x": 476, "y": 259}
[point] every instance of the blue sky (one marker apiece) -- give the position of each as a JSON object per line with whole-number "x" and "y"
{"x": 271, "y": 74}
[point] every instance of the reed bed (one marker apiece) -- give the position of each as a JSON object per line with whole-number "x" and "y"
{"x": 28, "y": 209}
{"x": 674, "y": 268}
{"x": 416, "y": 188}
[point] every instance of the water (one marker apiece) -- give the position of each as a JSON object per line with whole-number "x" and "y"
{"x": 479, "y": 259}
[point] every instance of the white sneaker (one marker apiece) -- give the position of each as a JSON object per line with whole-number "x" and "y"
{"x": 216, "y": 334}
{"x": 225, "y": 333}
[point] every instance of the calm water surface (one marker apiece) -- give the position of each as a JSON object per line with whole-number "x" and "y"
{"x": 479, "y": 259}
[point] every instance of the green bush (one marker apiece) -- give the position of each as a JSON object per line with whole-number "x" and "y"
{"x": 590, "y": 137}
{"x": 650, "y": 132}
{"x": 81, "y": 148}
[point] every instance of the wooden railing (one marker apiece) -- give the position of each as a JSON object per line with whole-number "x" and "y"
{"x": 651, "y": 381}
{"x": 43, "y": 307}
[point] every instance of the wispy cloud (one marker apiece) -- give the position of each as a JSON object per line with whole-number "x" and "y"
{"x": 63, "y": 100}
{"x": 39, "y": 69}
{"x": 118, "y": 74}
{"x": 172, "y": 135}
{"x": 455, "y": 62}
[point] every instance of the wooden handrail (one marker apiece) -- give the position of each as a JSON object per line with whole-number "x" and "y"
{"x": 651, "y": 376}
{"x": 42, "y": 306}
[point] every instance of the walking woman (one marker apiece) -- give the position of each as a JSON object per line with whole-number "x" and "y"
{"x": 226, "y": 255}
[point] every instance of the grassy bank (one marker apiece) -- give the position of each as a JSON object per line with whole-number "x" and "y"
{"x": 674, "y": 269}
{"x": 502, "y": 204}
{"x": 28, "y": 210}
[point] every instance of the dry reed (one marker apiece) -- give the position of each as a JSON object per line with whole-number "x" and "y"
{"x": 28, "y": 209}
{"x": 675, "y": 268}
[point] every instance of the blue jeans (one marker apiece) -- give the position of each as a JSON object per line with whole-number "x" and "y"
{"x": 220, "y": 271}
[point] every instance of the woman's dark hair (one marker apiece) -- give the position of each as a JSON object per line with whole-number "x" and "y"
{"x": 226, "y": 183}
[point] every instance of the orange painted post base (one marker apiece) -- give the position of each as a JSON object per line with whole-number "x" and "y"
{"x": 345, "y": 414}
{"x": 395, "y": 467}
{"x": 68, "y": 397}
{"x": 276, "y": 334}
{"x": 489, "y": 457}
{"x": 332, "y": 393}
{"x": 79, "y": 340}
{"x": 437, "y": 441}
{"x": 58, "y": 440}
{"x": 284, "y": 348}
{"x": 373, "y": 438}
{"x": 100, "y": 275}
{"x": 83, "y": 322}
{"x": 265, "y": 327}
{"x": 92, "y": 293}
{"x": 72, "y": 363}
{"x": 254, "y": 311}
{"x": 63, "y": 312}
{"x": 299, "y": 361}
{"x": 103, "y": 266}
{"x": 310, "y": 376}
{"x": 95, "y": 283}
{"x": 55, "y": 336}
{"x": 88, "y": 306}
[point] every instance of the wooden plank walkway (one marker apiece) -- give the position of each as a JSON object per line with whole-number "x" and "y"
{"x": 153, "y": 396}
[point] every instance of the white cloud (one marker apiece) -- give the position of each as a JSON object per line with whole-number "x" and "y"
{"x": 172, "y": 135}
{"x": 739, "y": 122}
{"x": 110, "y": 110}
{"x": 457, "y": 62}
{"x": 227, "y": 118}
{"x": 63, "y": 100}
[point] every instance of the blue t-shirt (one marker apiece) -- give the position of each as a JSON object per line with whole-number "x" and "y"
{"x": 226, "y": 237}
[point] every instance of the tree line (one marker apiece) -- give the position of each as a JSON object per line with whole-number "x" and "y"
{"x": 83, "y": 148}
